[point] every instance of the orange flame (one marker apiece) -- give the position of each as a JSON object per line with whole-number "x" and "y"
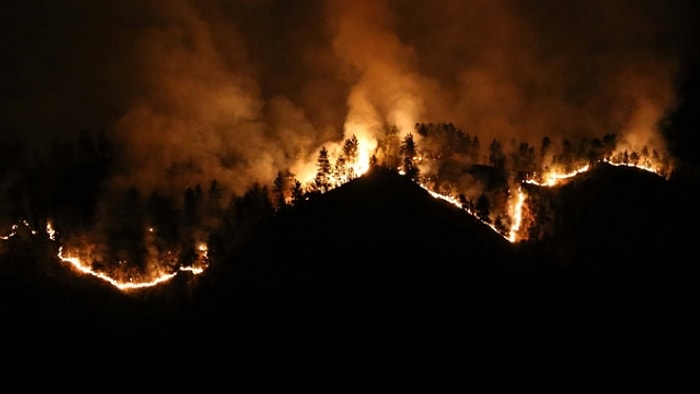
{"x": 554, "y": 178}
{"x": 79, "y": 265}
{"x": 517, "y": 216}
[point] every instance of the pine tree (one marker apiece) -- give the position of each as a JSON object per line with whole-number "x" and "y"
{"x": 278, "y": 188}
{"x": 496, "y": 156}
{"x": 408, "y": 153}
{"x": 297, "y": 192}
{"x": 350, "y": 153}
{"x": 475, "y": 150}
{"x": 323, "y": 176}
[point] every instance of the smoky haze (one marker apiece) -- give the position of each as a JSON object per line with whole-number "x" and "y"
{"x": 237, "y": 90}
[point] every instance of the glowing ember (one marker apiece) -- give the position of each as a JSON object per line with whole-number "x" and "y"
{"x": 194, "y": 270}
{"x": 50, "y": 231}
{"x": 517, "y": 216}
{"x": 12, "y": 233}
{"x": 15, "y": 228}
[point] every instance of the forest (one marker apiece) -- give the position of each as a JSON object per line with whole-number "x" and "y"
{"x": 135, "y": 232}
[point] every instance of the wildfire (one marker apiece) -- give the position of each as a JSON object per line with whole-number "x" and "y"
{"x": 644, "y": 167}
{"x": 517, "y": 216}
{"x": 81, "y": 266}
{"x": 156, "y": 277}
{"x": 361, "y": 165}
{"x": 15, "y": 229}
{"x": 554, "y": 178}
{"x": 12, "y": 233}
{"x": 167, "y": 268}
{"x": 459, "y": 205}
{"x": 50, "y": 231}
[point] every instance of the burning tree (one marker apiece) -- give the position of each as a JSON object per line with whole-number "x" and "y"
{"x": 350, "y": 155}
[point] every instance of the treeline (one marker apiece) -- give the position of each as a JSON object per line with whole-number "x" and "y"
{"x": 64, "y": 182}
{"x": 61, "y": 181}
{"x": 444, "y": 142}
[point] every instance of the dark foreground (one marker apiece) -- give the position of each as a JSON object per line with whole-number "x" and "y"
{"x": 378, "y": 276}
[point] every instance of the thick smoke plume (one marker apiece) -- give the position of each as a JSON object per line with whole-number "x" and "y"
{"x": 237, "y": 90}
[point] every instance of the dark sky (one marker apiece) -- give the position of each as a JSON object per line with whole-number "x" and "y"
{"x": 243, "y": 88}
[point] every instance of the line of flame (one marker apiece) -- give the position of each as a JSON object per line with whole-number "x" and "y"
{"x": 643, "y": 167}
{"x": 458, "y": 204}
{"x": 78, "y": 264}
{"x": 85, "y": 268}
{"x": 517, "y": 216}
{"x": 554, "y": 178}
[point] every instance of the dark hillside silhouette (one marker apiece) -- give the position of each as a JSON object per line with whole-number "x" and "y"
{"x": 376, "y": 240}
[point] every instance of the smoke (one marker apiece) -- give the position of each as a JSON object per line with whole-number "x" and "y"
{"x": 237, "y": 90}
{"x": 198, "y": 115}
{"x": 512, "y": 69}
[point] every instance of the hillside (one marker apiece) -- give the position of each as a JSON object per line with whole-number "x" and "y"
{"x": 378, "y": 239}
{"x": 380, "y": 261}
{"x": 620, "y": 221}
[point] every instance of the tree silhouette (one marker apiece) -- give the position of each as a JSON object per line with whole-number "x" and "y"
{"x": 408, "y": 153}
{"x": 193, "y": 201}
{"x": 340, "y": 171}
{"x": 496, "y": 156}
{"x": 323, "y": 176}
{"x": 297, "y": 192}
{"x": 279, "y": 187}
{"x": 475, "y": 150}
{"x": 525, "y": 158}
{"x": 126, "y": 231}
{"x": 545, "y": 149}
{"x": 351, "y": 153}
{"x": 163, "y": 219}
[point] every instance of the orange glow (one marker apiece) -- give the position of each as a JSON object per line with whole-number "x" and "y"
{"x": 647, "y": 166}
{"x": 161, "y": 271}
{"x": 156, "y": 277}
{"x": 517, "y": 216}
{"x": 81, "y": 266}
{"x": 50, "y": 231}
{"x": 15, "y": 228}
{"x": 12, "y": 233}
{"x": 457, "y": 204}
{"x": 554, "y": 178}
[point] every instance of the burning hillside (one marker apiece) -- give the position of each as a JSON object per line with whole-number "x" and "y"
{"x": 216, "y": 116}
{"x": 163, "y": 245}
